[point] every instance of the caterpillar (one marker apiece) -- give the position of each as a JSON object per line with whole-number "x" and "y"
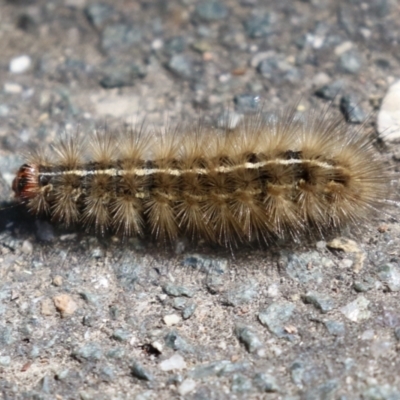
{"x": 266, "y": 179}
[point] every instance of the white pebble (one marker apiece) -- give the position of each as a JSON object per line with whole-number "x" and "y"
{"x": 20, "y": 64}
{"x": 12, "y": 88}
{"x": 176, "y": 362}
{"x": 158, "y": 346}
{"x": 186, "y": 386}
{"x": 343, "y": 47}
{"x": 273, "y": 290}
{"x": 389, "y": 114}
{"x": 27, "y": 247}
{"x": 172, "y": 319}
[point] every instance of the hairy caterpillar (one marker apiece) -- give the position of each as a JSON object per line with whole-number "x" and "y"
{"x": 264, "y": 180}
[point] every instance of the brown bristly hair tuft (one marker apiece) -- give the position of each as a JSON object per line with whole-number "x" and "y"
{"x": 280, "y": 178}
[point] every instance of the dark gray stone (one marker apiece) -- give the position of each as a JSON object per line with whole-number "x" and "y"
{"x": 381, "y": 392}
{"x": 397, "y": 333}
{"x": 297, "y": 266}
{"x": 211, "y": 10}
{"x": 206, "y": 264}
{"x": 241, "y": 294}
{"x": 277, "y": 70}
{"x": 139, "y": 372}
{"x": 119, "y": 37}
{"x": 88, "y": 352}
{"x": 297, "y": 372}
{"x": 351, "y": 110}
{"x": 107, "y": 373}
{"x": 250, "y": 340}
{"x": 335, "y": 328}
{"x": 176, "y": 291}
{"x": 389, "y": 274}
{"x": 88, "y": 320}
{"x": 90, "y": 298}
{"x": 182, "y": 66}
{"x": 175, "y": 45}
{"x": 326, "y": 391}
{"x": 231, "y": 368}
{"x": 275, "y": 316}
{"x": 176, "y": 342}
{"x": 179, "y": 303}
{"x": 247, "y": 103}
{"x": 210, "y": 369}
{"x": 364, "y": 284}
{"x": 189, "y": 310}
{"x": 330, "y": 91}
{"x": 241, "y": 384}
{"x": 127, "y": 273}
{"x": 258, "y": 26}
{"x": 116, "y": 74}
{"x": 266, "y": 383}
{"x": 121, "y": 335}
{"x": 321, "y": 301}
{"x": 6, "y": 336}
{"x": 116, "y": 353}
{"x": 98, "y": 14}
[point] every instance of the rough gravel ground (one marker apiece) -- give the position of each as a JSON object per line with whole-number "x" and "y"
{"x": 89, "y": 318}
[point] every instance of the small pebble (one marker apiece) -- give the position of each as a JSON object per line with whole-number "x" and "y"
{"x": 275, "y": 317}
{"x": 388, "y": 121}
{"x": 229, "y": 120}
{"x": 12, "y": 88}
{"x": 65, "y": 304}
{"x": 176, "y": 342}
{"x": 57, "y": 280}
{"x": 5, "y": 361}
{"x": 266, "y": 383}
{"x": 189, "y": 310}
{"x": 258, "y": 26}
{"x": 46, "y": 307}
{"x": 21, "y": 64}
{"x": 243, "y": 293}
{"x": 27, "y": 247}
{"x": 351, "y": 110}
{"x": 171, "y": 319}
{"x": 350, "y": 61}
{"x": 357, "y": 310}
{"x": 121, "y": 335}
{"x": 158, "y": 346}
{"x": 241, "y": 384}
{"x": 330, "y": 91}
{"x": 4, "y": 110}
{"x": 90, "y": 352}
{"x": 369, "y": 334}
{"x": 335, "y": 328}
{"x": 187, "y": 386}
{"x": 248, "y": 338}
{"x": 139, "y": 372}
{"x": 321, "y": 301}
{"x": 211, "y": 10}
{"x": 381, "y": 348}
{"x": 389, "y": 274}
{"x": 120, "y": 36}
{"x": 98, "y": 14}
{"x": 176, "y": 291}
{"x": 181, "y": 65}
{"x": 176, "y": 362}
{"x": 247, "y": 103}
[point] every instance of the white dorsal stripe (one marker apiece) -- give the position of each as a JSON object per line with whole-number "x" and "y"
{"x": 178, "y": 172}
